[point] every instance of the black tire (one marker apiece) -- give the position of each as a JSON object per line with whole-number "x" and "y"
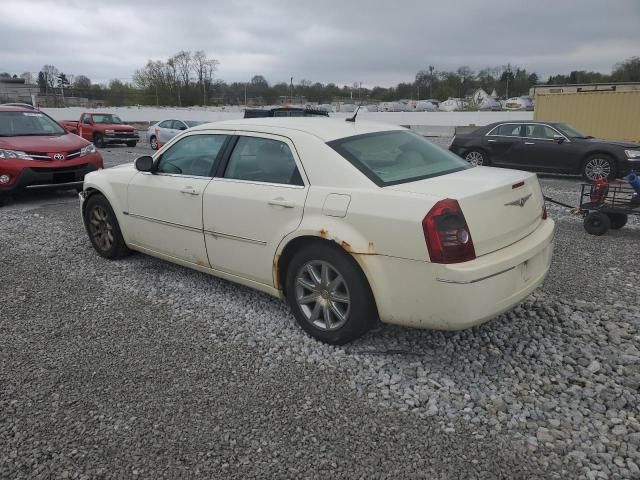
{"x": 101, "y": 224}
{"x": 597, "y": 223}
{"x": 618, "y": 220}
{"x": 361, "y": 312}
{"x": 595, "y": 165}
{"x": 98, "y": 140}
{"x": 477, "y": 157}
{"x": 154, "y": 142}
{"x": 131, "y": 144}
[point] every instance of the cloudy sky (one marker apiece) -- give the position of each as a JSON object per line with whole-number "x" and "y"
{"x": 370, "y": 41}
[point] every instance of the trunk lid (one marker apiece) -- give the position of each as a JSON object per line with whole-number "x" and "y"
{"x": 498, "y": 210}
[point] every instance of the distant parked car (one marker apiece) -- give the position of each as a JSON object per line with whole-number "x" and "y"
{"x": 286, "y": 112}
{"x": 351, "y": 222}
{"x": 103, "y": 129}
{"x": 546, "y": 147}
{"x": 36, "y": 152}
{"x": 161, "y": 132}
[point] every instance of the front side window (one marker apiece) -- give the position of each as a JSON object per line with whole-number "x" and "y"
{"x": 540, "y": 131}
{"x": 178, "y": 125}
{"x": 263, "y": 160}
{"x": 21, "y": 124}
{"x": 400, "y": 156}
{"x": 506, "y": 130}
{"x": 165, "y": 124}
{"x": 194, "y": 155}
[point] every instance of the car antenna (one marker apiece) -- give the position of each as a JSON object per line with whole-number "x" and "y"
{"x": 353, "y": 119}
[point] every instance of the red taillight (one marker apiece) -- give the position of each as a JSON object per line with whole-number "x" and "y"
{"x": 447, "y": 234}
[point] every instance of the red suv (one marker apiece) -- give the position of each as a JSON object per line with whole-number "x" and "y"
{"x": 36, "y": 152}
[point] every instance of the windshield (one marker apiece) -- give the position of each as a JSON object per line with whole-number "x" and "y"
{"x": 570, "y": 131}
{"x": 19, "y": 124}
{"x": 106, "y": 118}
{"x": 401, "y": 156}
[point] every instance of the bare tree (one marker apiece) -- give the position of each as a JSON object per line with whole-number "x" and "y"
{"x": 210, "y": 68}
{"x": 50, "y": 74}
{"x": 199, "y": 65}
{"x": 172, "y": 76}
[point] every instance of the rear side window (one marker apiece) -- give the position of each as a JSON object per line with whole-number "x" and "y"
{"x": 401, "y": 156}
{"x": 263, "y": 160}
{"x": 506, "y": 130}
{"x": 540, "y": 131}
{"x": 166, "y": 124}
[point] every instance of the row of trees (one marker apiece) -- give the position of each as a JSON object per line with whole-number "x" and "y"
{"x": 188, "y": 78}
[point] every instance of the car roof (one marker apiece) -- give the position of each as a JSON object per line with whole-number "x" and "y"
{"x": 326, "y": 129}
{"x": 542, "y": 122}
{"x": 14, "y": 108}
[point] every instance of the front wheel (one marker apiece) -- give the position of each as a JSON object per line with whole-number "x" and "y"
{"x": 476, "y": 158}
{"x": 329, "y": 295}
{"x": 598, "y": 166}
{"x": 98, "y": 140}
{"x": 103, "y": 229}
{"x": 597, "y": 223}
{"x": 154, "y": 143}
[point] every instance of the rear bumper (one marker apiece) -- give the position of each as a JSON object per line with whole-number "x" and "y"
{"x": 454, "y": 297}
{"x": 50, "y": 178}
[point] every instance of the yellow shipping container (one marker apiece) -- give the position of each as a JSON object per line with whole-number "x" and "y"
{"x": 604, "y": 114}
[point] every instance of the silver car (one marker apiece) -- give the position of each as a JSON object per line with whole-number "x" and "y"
{"x": 163, "y": 131}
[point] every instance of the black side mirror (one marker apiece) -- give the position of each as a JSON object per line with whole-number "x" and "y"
{"x": 144, "y": 163}
{"x": 558, "y": 138}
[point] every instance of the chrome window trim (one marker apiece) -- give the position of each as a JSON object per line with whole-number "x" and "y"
{"x": 257, "y": 182}
{"x": 489, "y": 134}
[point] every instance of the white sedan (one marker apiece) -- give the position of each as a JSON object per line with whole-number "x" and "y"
{"x": 161, "y": 132}
{"x": 351, "y": 222}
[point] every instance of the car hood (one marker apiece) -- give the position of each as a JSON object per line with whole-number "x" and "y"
{"x": 45, "y": 143}
{"x": 617, "y": 143}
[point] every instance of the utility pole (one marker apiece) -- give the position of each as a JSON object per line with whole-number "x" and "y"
{"x": 508, "y": 75}
{"x": 245, "y": 94}
{"x": 431, "y": 81}
{"x": 291, "y": 90}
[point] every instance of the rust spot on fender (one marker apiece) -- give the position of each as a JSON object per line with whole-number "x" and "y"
{"x": 202, "y": 263}
{"x": 370, "y": 248}
{"x": 324, "y": 232}
{"x": 276, "y": 276}
{"x": 346, "y": 246}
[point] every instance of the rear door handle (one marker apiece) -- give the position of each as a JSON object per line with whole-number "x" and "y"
{"x": 529, "y": 143}
{"x": 490, "y": 140}
{"x": 281, "y": 202}
{"x": 189, "y": 191}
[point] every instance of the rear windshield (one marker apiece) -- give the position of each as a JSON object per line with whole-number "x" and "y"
{"x": 400, "y": 156}
{"x": 20, "y": 124}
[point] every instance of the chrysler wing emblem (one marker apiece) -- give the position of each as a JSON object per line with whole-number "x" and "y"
{"x": 518, "y": 203}
{"x": 58, "y": 157}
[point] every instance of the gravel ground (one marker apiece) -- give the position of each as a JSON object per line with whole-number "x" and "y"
{"x": 143, "y": 369}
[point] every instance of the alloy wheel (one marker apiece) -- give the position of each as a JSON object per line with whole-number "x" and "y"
{"x": 597, "y": 168}
{"x": 100, "y": 227}
{"x": 474, "y": 158}
{"x": 322, "y": 295}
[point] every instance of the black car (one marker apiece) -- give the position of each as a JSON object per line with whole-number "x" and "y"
{"x": 284, "y": 112}
{"x": 546, "y": 147}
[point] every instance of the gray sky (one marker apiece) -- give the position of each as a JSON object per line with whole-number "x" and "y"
{"x": 375, "y": 42}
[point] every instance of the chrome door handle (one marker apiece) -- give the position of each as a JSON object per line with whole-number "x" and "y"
{"x": 529, "y": 143}
{"x": 491, "y": 140}
{"x": 281, "y": 202}
{"x": 189, "y": 191}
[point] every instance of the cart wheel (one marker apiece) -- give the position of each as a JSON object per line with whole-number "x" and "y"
{"x": 597, "y": 223}
{"x": 618, "y": 220}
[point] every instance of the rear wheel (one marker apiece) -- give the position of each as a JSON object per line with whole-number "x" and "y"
{"x": 476, "y": 158}
{"x": 618, "y": 220}
{"x": 154, "y": 142}
{"x": 599, "y": 166}
{"x": 98, "y": 140}
{"x": 329, "y": 295}
{"x": 103, "y": 229}
{"x": 597, "y": 223}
